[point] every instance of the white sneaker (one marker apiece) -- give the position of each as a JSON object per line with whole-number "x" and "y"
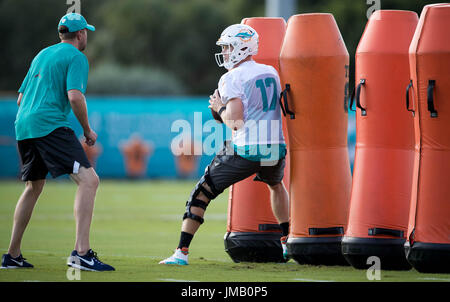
{"x": 180, "y": 257}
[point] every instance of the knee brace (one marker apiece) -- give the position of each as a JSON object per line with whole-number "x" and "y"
{"x": 195, "y": 202}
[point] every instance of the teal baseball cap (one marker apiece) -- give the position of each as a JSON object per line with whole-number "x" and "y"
{"x": 75, "y": 22}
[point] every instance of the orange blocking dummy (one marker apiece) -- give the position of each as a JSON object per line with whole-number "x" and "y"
{"x": 314, "y": 66}
{"x": 428, "y": 245}
{"x": 253, "y": 233}
{"x": 384, "y": 157}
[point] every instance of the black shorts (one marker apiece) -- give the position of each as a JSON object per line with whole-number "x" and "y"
{"x": 228, "y": 168}
{"x": 59, "y": 153}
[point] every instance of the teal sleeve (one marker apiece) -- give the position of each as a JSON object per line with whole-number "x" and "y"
{"x": 77, "y": 74}
{"x": 25, "y": 82}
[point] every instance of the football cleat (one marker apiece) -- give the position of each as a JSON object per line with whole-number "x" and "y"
{"x": 284, "y": 246}
{"x": 180, "y": 257}
{"x": 19, "y": 262}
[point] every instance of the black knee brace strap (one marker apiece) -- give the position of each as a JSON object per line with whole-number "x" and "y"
{"x": 208, "y": 180}
{"x": 194, "y": 203}
{"x": 200, "y": 188}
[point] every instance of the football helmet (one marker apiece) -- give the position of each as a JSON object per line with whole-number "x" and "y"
{"x": 242, "y": 41}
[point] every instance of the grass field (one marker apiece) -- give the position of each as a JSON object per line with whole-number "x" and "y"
{"x": 135, "y": 225}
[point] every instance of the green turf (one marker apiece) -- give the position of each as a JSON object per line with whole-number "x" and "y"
{"x": 137, "y": 224}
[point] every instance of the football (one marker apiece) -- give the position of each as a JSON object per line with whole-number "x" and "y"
{"x": 216, "y": 116}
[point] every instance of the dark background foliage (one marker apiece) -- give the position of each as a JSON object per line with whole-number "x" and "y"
{"x": 154, "y": 47}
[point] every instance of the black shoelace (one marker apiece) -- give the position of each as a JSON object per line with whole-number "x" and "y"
{"x": 94, "y": 255}
{"x": 20, "y": 258}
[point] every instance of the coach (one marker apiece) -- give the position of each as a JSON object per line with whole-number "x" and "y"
{"x": 56, "y": 83}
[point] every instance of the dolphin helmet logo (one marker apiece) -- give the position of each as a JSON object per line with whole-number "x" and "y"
{"x": 245, "y": 35}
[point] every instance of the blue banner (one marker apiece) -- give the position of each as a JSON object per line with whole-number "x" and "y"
{"x": 135, "y": 136}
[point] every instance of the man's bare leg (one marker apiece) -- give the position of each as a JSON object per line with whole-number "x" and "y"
{"x": 189, "y": 225}
{"x": 188, "y": 229}
{"x": 22, "y": 214}
{"x": 279, "y": 199}
{"x": 87, "y": 181}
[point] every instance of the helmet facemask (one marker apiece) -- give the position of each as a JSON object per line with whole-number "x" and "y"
{"x": 226, "y": 58}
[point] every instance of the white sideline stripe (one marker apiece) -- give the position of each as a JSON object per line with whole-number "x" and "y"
{"x": 33, "y": 251}
{"x": 432, "y": 278}
{"x": 161, "y": 257}
{"x": 176, "y": 280}
{"x": 312, "y": 280}
{"x": 211, "y": 217}
{"x": 121, "y": 255}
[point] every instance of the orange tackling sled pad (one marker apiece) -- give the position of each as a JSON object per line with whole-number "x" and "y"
{"x": 253, "y": 233}
{"x": 384, "y": 157}
{"x": 428, "y": 245}
{"x": 314, "y": 69}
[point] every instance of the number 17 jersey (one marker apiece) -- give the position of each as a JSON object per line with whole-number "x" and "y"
{"x": 258, "y": 86}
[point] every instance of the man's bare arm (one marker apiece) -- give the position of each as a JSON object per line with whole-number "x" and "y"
{"x": 79, "y": 108}
{"x": 19, "y": 99}
{"x": 233, "y": 116}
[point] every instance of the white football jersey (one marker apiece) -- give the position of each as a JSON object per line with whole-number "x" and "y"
{"x": 258, "y": 86}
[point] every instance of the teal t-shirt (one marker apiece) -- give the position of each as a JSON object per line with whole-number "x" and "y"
{"x": 45, "y": 105}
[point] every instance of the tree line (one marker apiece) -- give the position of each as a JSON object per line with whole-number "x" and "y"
{"x": 154, "y": 47}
